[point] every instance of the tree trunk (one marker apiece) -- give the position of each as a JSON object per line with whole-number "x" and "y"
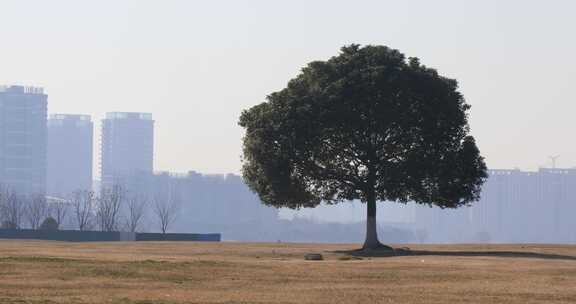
{"x": 372, "y": 241}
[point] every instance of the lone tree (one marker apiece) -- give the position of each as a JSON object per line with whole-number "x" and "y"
{"x": 367, "y": 124}
{"x": 58, "y": 211}
{"x": 166, "y": 207}
{"x": 136, "y": 205}
{"x": 12, "y": 208}
{"x": 109, "y": 206}
{"x": 83, "y": 206}
{"x": 35, "y": 210}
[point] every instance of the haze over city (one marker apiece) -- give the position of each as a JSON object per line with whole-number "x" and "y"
{"x": 257, "y": 151}
{"x": 197, "y": 65}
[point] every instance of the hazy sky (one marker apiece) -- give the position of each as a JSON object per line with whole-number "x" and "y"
{"x": 196, "y": 64}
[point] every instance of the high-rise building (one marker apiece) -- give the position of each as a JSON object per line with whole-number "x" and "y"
{"x": 127, "y": 148}
{"x": 69, "y": 154}
{"x": 23, "y": 139}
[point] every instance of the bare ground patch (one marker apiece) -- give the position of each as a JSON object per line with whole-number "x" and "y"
{"x": 130, "y": 273}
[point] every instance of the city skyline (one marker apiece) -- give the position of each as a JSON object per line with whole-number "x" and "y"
{"x": 547, "y": 161}
{"x": 132, "y": 134}
{"x": 197, "y": 65}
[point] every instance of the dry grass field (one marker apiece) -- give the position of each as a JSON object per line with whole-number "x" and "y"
{"x": 141, "y": 272}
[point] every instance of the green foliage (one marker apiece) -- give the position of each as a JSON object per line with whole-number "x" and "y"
{"x": 367, "y": 124}
{"x": 50, "y": 224}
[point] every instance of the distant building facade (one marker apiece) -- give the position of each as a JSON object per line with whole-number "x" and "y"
{"x": 221, "y": 203}
{"x": 70, "y": 139}
{"x": 515, "y": 206}
{"x": 127, "y": 149}
{"x": 23, "y": 139}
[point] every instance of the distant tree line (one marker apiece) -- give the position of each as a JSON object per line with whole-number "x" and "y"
{"x": 112, "y": 209}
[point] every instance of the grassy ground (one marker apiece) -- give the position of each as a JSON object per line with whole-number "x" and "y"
{"x": 141, "y": 272}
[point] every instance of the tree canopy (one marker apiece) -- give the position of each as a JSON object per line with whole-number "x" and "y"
{"x": 367, "y": 124}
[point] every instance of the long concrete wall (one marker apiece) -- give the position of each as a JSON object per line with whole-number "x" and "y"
{"x": 208, "y": 237}
{"x": 102, "y": 236}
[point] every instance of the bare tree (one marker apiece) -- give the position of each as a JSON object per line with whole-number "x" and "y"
{"x": 165, "y": 208}
{"x": 83, "y": 204}
{"x": 136, "y": 207}
{"x": 35, "y": 210}
{"x": 109, "y": 206}
{"x": 11, "y": 208}
{"x": 58, "y": 210}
